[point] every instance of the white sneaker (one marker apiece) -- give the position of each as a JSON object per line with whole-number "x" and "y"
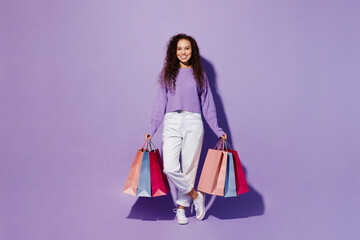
{"x": 199, "y": 204}
{"x": 180, "y": 216}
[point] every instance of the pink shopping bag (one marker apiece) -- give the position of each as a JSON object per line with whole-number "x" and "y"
{"x": 212, "y": 178}
{"x": 132, "y": 179}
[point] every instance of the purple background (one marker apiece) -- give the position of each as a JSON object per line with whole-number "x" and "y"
{"x": 77, "y": 86}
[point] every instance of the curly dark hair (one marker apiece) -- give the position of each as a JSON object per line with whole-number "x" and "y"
{"x": 172, "y": 63}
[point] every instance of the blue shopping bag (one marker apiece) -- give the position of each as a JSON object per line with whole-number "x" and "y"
{"x": 230, "y": 184}
{"x": 144, "y": 186}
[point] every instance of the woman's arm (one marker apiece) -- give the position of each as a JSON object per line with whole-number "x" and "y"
{"x": 209, "y": 109}
{"x": 158, "y": 110}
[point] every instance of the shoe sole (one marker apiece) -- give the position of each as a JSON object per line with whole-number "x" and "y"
{"x": 183, "y": 223}
{"x": 201, "y": 217}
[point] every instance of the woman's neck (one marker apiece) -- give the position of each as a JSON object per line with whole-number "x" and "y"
{"x": 184, "y": 65}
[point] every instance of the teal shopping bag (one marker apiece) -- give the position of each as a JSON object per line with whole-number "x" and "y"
{"x": 230, "y": 184}
{"x": 144, "y": 186}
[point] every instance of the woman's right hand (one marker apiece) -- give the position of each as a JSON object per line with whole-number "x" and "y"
{"x": 147, "y": 137}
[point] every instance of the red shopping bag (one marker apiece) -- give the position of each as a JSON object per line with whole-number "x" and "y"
{"x": 159, "y": 182}
{"x": 241, "y": 184}
{"x": 212, "y": 178}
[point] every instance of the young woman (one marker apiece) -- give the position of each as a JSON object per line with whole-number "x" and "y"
{"x": 183, "y": 94}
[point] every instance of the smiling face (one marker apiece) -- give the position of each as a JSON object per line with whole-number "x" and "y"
{"x": 183, "y": 52}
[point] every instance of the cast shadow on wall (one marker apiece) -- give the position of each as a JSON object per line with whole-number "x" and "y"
{"x": 245, "y": 205}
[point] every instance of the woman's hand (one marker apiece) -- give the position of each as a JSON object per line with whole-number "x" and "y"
{"x": 147, "y": 137}
{"x": 224, "y": 137}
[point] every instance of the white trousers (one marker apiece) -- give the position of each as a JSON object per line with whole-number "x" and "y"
{"x": 183, "y": 133}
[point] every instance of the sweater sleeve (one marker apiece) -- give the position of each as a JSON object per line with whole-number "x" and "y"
{"x": 209, "y": 109}
{"x": 158, "y": 110}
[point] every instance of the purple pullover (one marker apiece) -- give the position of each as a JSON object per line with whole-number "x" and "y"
{"x": 187, "y": 97}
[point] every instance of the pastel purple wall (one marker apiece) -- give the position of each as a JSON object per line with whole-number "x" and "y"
{"x": 77, "y": 86}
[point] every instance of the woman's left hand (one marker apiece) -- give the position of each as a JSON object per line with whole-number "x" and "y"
{"x": 224, "y": 137}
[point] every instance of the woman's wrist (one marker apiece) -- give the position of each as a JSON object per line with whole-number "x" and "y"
{"x": 224, "y": 137}
{"x": 147, "y": 136}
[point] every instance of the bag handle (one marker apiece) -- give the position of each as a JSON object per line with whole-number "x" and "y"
{"x": 148, "y": 144}
{"x": 152, "y": 146}
{"x": 223, "y": 144}
{"x": 220, "y": 144}
{"x": 217, "y": 143}
{"x": 227, "y": 144}
{"x": 146, "y": 141}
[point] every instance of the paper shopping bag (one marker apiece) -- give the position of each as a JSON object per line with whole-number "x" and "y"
{"x": 241, "y": 184}
{"x": 132, "y": 179}
{"x": 230, "y": 184}
{"x": 159, "y": 183}
{"x": 212, "y": 178}
{"x": 165, "y": 179}
{"x": 144, "y": 186}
